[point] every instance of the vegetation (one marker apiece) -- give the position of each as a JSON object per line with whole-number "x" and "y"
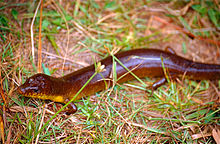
{"x": 74, "y": 34}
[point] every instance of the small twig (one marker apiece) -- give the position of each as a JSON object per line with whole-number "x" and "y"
{"x": 39, "y": 42}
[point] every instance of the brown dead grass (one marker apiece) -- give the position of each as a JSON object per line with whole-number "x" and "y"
{"x": 75, "y": 53}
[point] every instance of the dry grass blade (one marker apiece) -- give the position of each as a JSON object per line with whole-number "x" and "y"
{"x": 32, "y": 31}
{"x": 74, "y": 34}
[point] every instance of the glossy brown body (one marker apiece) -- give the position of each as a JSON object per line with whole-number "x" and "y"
{"x": 142, "y": 62}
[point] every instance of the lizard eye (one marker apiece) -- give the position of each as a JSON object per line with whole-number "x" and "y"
{"x": 36, "y": 90}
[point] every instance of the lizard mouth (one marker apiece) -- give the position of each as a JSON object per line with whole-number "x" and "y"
{"x": 26, "y": 91}
{"x": 21, "y": 90}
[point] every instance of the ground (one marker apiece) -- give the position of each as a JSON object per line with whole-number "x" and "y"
{"x": 63, "y": 36}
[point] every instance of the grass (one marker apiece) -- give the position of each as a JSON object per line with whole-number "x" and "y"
{"x": 74, "y": 35}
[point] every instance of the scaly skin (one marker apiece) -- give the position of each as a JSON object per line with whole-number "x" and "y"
{"x": 142, "y": 62}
